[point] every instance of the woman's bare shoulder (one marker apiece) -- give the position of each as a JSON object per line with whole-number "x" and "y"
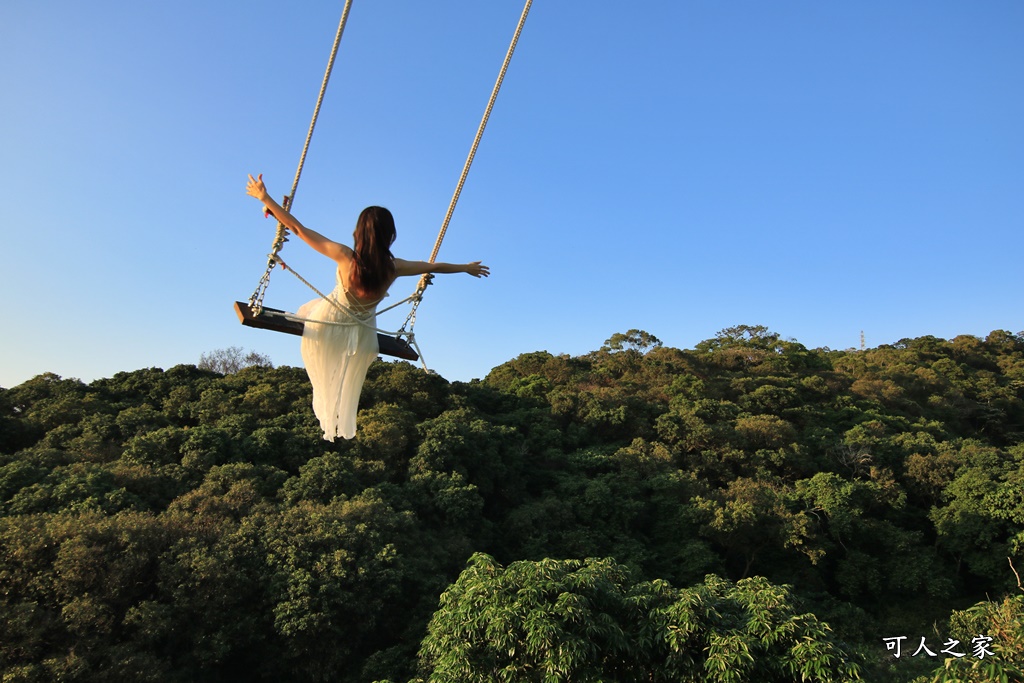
{"x": 343, "y": 256}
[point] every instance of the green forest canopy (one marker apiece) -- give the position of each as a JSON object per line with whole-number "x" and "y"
{"x": 749, "y": 510}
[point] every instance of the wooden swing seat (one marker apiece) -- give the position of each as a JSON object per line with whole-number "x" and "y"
{"x": 277, "y": 321}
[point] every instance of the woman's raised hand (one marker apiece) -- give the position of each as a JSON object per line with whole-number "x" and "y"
{"x": 477, "y": 269}
{"x": 256, "y": 188}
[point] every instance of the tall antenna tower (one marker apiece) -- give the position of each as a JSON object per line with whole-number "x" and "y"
{"x": 862, "y": 340}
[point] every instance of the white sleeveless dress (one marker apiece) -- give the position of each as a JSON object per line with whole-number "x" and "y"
{"x": 337, "y": 358}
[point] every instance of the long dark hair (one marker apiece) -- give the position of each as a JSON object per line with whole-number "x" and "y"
{"x": 374, "y": 262}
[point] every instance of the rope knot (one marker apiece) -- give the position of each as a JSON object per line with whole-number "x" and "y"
{"x": 425, "y": 280}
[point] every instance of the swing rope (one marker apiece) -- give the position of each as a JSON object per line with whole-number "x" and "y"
{"x": 427, "y": 278}
{"x": 281, "y": 236}
{"x": 353, "y": 315}
{"x": 256, "y": 300}
{"x": 349, "y": 313}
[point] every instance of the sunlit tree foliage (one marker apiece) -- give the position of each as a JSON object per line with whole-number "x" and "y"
{"x": 191, "y": 524}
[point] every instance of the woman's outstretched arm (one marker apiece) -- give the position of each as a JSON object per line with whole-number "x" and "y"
{"x": 329, "y": 248}
{"x": 403, "y": 267}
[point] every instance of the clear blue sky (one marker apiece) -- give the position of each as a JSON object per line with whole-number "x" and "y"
{"x": 677, "y": 166}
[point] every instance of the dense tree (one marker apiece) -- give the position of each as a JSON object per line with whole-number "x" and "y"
{"x": 590, "y": 620}
{"x": 990, "y": 636}
{"x": 634, "y": 340}
{"x": 232, "y": 359}
{"x": 190, "y": 525}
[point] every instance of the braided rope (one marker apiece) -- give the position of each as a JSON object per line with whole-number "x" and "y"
{"x": 480, "y": 132}
{"x": 256, "y": 300}
{"x": 345, "y": 310}
{"x": 355, "y": 319}
{"x": 320, "y": 98}
{"x": 281, "y": 235}
{"x": 427, "y": 277}
{"x": 337, "y": 323}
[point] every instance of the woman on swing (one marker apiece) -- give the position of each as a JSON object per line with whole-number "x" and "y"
{"x": 337, "y": 356}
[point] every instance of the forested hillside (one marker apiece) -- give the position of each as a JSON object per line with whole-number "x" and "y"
{"x": 749, "y": 510}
